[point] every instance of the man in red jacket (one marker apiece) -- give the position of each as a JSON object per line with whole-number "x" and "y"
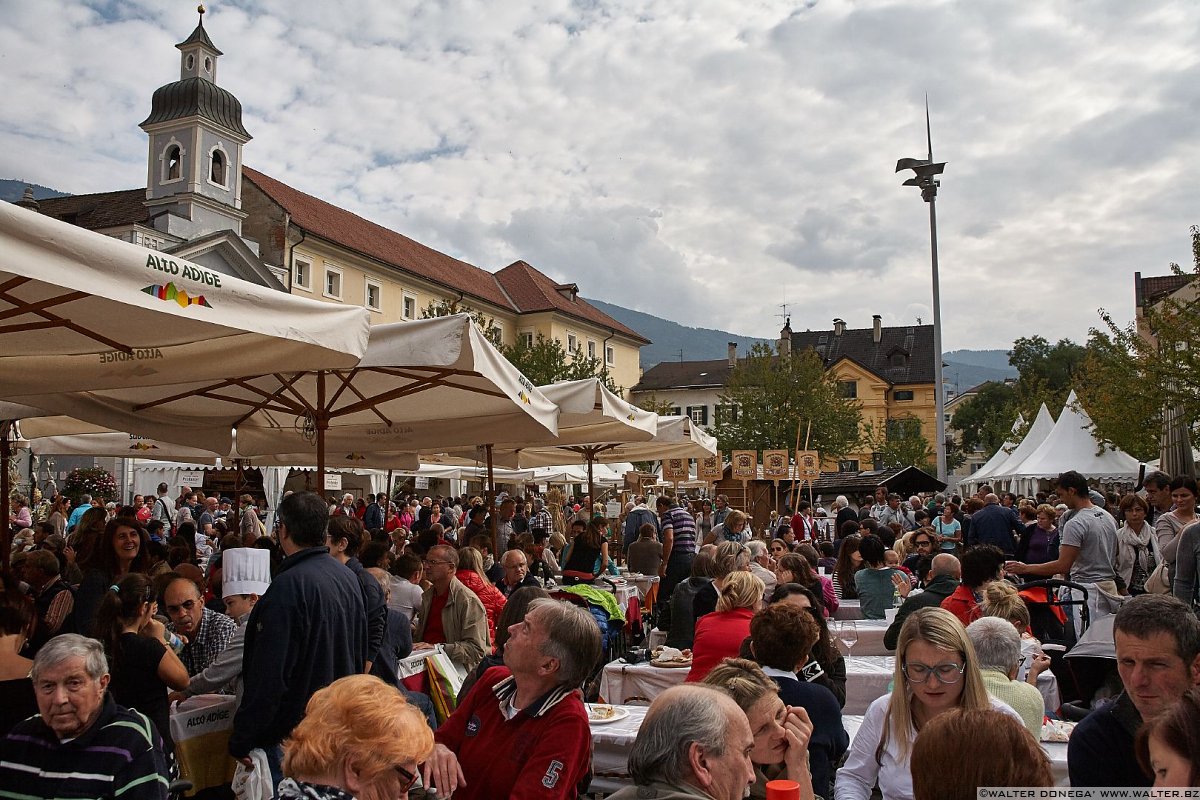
{"x": 522, "y": 731}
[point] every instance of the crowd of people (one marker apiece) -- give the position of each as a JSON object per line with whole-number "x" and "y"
{"x": 111, "y": 614}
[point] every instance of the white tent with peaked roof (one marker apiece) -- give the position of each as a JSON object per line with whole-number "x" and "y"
{"x": 1043, "y": 423}
{"x": 999, "y": 457}
{"x": 1071, "y": 445}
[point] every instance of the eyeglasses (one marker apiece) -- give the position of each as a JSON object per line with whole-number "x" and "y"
{"x": 186, "y": 605}
{"x": 407, "y": 779}
{"x": 946, "y": 673}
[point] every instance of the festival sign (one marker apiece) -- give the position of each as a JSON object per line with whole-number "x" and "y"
{"x": 775, "y": 464}
{"x": 745, "y": 464}
{"x": 709, "y": 469}
{"x": 808, "y": 465}
{"x": 675, "y": 470}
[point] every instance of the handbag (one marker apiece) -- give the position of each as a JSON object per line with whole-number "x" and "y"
{"x": 1159, "y": 580}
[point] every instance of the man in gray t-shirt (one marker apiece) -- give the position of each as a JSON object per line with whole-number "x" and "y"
{"x": 1088, "y": 544}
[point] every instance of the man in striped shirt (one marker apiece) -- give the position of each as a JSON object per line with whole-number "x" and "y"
{"x": 678, "y": 530}
{"x": 82, "y": 744}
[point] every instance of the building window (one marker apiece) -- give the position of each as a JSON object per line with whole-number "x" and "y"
{"x": 302, "y": 273}
{"x": 572, "y": 343}
{"x": 898, "y": 360}
{"x": 848, "y": 388}
{"x": 903, "y": 428}
{"x": 902, "y": 395}
{"x": 410, "y": 306}
{"x": 591, "y": 349}
{"x": 848, "y": 465}
{"x": 676, "y": 411}
{"x": 610, "y": 355}
{"x": 172, "y": 162}
{"x": 333, "y": 282}
{"x": 217, "y": 170}
{"x": 699, "y": 414}
{"x": 726, "y": 414}
{"x": 525, "y": 338}
{"x": 374, "y": 295}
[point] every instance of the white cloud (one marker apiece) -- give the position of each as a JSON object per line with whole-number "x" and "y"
{"x": 704, "y": 161}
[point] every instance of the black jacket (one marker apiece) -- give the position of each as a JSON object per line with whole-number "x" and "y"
{"x": 308, "y": 630}
{"x": 1100, "y": 752}
{"x": 937, "y": 590}
{"x": 375, "y": 605}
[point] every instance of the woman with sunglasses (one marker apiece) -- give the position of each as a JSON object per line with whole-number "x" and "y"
{"x": 141, "y": 652}
{"x": 936, "y": 671}
{"x": 359, "y": 739}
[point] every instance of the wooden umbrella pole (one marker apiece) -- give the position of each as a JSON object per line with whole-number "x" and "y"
{"x": 387, "y": 488}
{"x": 795, "y": 469}
{"x": 590, "y": 454}
{"x": 491, "y": 500}
{"x": 6, "y": 427}
{"x": 322, "y": 422}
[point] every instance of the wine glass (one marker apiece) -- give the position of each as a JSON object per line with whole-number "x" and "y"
{"x": 848, "y": 633}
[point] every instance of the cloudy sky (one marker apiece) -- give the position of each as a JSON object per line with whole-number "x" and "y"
{"x": 702, "y": 160}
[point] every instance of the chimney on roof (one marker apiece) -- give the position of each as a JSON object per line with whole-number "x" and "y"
{"x": 876, "y": 328}
{"x": 732, "y": 355}
{"x": 27, "y": 200}
{"x": 839, "y": 326}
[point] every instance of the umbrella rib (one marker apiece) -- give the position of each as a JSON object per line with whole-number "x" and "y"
{"x": 172, "y": 398}
{"x": 363, "y": 398}
{"x": 419, "y": 385}
{"x": 53, "y": 320}
{"x": 22, "y": 307}
{"x": 345, "y": 378}
{"x": 287, "y": 384}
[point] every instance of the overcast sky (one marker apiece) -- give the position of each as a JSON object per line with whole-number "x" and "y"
{"x": 702, "y": 160}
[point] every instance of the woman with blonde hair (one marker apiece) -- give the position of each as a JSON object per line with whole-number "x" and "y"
{"x": 1001, "y": 599}
{"x": 781, "y": 733}
{"x": 936, "y": 672}
{"x": 470, "y": 573}
{"x": 719, "y": 634}
{"x": 359, "y": 737}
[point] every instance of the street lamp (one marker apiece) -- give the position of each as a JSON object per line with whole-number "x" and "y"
{"x": 925, "y": 172}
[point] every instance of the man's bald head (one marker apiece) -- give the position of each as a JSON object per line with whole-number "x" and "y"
{"x": 947, "y": 564}
{"x": 991, "y": 500}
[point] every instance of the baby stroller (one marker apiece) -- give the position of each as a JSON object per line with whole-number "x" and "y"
{"x": 1093, "y": 666}
{"x": 1053, "y": 606}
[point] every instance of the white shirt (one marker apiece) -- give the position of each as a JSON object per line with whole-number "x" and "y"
{"x": 859, "y": 774}
{"x": 405, "y": 597}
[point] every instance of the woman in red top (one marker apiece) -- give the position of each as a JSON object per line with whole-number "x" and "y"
{"x": 980, "y": 565}
{"x": 719, "y": 635}
{"x": 470, "y": 573}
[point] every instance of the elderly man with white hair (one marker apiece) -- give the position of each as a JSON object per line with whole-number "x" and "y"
{"x": 694, "y": 743}
{"x": 82, "y": 744}
{"x": 998, "y": 650}
{"x": 760, "y": 564}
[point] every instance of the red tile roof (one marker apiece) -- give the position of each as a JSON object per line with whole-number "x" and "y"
{"x": 99, "y": 211}
{"x": 350, "y": 230}
{"x": 533, "y": 291}
{"x": 1157, "y": 287}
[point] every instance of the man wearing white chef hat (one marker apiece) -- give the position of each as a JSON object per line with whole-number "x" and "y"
{"x": 245, "y": 576}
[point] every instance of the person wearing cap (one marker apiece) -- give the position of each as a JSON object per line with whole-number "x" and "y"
{"x": 246, "y": 575}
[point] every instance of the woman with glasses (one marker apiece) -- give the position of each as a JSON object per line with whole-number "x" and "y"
{"x": 359, "y": 739}
{"x": 936, "y": 671}
{"x": 141, "y": 652}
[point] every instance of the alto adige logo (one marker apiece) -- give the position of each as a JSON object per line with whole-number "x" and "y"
{"x": 171, "y": 292}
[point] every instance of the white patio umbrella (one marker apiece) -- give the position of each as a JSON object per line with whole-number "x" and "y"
{"x": 424, "y": 384}
{"x": 80, "y": 311}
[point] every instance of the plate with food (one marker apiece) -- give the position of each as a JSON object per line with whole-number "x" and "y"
{"x": 602, "y": 715}
{"x": 670, "y": 657}
{"x": 1057, "y": 730}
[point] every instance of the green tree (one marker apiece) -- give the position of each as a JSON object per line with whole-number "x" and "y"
{"x": 901, "y": 443}
{"x": 1046, "y": 373}
{"x": 775, "y": 395}
{"x": 1129, "y": 380}
{"x": 444, "y": 308}
{"x": 547, "y": 361}
{"x": 985, "y": 420}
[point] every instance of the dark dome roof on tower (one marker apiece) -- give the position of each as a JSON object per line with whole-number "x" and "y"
{"x": 196, "y": 97}
{"x": 200, "y": 36}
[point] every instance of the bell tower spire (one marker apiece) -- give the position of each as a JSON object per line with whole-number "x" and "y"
{"x": 198, "y": 54}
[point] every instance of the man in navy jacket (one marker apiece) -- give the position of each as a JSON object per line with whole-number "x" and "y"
{"x": 308, "y": 630}
{"x": 995, "y": 524}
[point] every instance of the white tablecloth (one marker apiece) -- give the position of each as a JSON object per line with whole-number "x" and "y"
{"x": 867, "y": 678}
{"x": 620, "y": 683}
{"x": 611, "y": 743}
{"x": 624, "y": 592}
{"x": 643, "y": 582}
{"x": 848, "y": 609}
{"x": 870, "y": 637}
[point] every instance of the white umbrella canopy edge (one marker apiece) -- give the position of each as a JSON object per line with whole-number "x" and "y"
{"x": 80, "y": 310}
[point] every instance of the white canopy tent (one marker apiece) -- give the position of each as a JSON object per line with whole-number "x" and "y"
{"x": 1071, "y": 445}
{"x": 1042, "y": 425}
{"x": 999, "y": 457}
